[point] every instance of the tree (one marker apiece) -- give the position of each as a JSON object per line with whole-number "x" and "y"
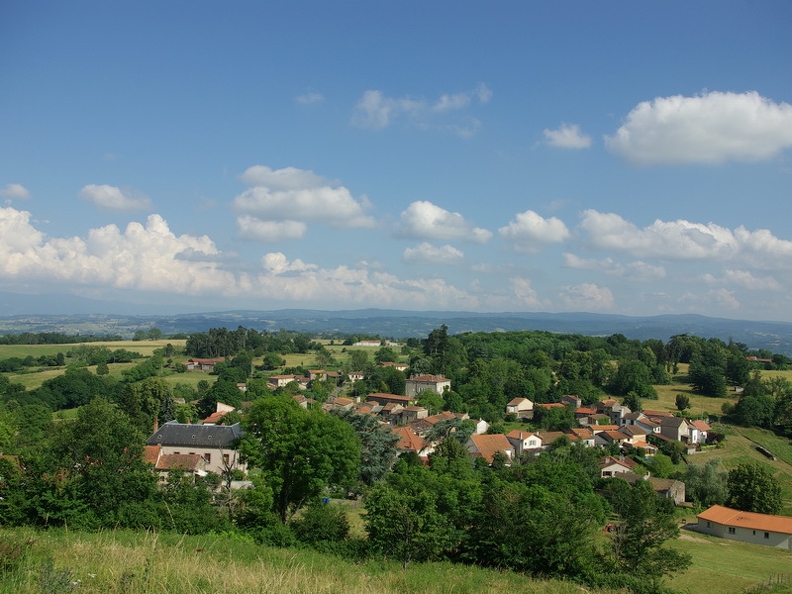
{"x": 705, "y": 484}
{"x": 644, "y": 522}
{"x": 301, "y": 453}
{"x": 378, "y": 445}
{"x": 753, "y": 488}
{"x": 142, "y": 402}
{"x": 101, "y": 454}
{"x": 682, "y": 402}
{"x": 707, "y": 369}
{"x": 536, "y": 528}
{"x": 405, "y": 523}
{"x": 632, "y": 401}
{"x": 385, "y": 354}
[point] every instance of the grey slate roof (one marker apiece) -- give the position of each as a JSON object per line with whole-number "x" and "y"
{"x": 204, "y": 436}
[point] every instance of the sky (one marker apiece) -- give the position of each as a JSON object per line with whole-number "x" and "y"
{"x": 612, "y": 157}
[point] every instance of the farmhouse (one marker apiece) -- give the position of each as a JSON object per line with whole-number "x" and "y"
{"x": 733, "y": 524}
{"x": 202, "y": 364}
{"x": 417, "y": 383}
{"x": 215, "y": 444}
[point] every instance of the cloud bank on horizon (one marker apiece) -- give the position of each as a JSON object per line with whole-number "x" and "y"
{"x": 505, "y": 188}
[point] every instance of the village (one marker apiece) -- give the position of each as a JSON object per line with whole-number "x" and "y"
{"x": 622, "y": 435}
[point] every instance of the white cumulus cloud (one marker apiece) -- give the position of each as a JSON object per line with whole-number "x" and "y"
{"x": 745, "y": 279}
{"x": 287, "y": 178}
{"x": 141, "y": 257}
{"x": 529, "y": 231}
{"x": 709, "y": 128}
{"x": 15, "y": 192}
{"x": 637, "y": 270}
{"x": 567, "y": 136}
{"x": 684, "y": 240}
{"x": 426, "y": 253}
{"x": 269, "y": 231}
{"x": 425, "y": 220}
{"x": 586, "y": 297}
{"x": 113, "y": 198}
{"x": 301, "y": 282}
{"x": 283, "y": 200}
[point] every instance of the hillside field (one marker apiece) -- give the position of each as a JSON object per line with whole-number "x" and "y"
{"x": 125, "y": 562}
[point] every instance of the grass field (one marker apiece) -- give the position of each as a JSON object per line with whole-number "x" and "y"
{"x": 141, "y": 563}
{"x": 727, "y": 567}
{"x": 116, "y": 562}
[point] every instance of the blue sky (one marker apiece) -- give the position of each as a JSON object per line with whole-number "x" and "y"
{"x": 614, "y": 157}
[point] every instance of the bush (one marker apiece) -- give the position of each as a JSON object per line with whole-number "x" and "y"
{"x": 321, "y": 522}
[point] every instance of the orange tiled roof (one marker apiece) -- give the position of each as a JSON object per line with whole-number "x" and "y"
{"x": 488, "y": 445}
{"x": 409, "y": 440}
{"x": 215, "y": 417}
{"x": 701, "y": 425}
{"x": 740, "y": 519}
{"x": 179, "y": 462}
{"x": 151, "y": 453}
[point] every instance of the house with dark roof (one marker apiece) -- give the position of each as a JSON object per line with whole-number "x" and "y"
{"x": 216, "y": 444}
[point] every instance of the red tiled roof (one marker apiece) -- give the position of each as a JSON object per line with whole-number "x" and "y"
{"x": 428, "y": 379}
{"x": 215, "y": 417}
{"x": 701, "y": 425}
{"x": 151, "y": 453}
{"x": 488, "y": 445}
{"x": 409, "y": 440}
{"x": 740, "y": 519}
{"x": 185, "y": 462}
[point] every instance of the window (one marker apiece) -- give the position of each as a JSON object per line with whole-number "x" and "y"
{"x": 732, "y": 530}
{"x": 767, "y": 535}
{"x": 226, "y": 459}
{"x": 709, "y": 524}
{"x": 208, "y": 458}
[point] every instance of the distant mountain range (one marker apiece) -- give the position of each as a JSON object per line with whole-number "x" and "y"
{"x": 774, "y": 336}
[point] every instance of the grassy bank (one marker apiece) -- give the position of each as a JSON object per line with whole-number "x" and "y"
{"x": 116, "y": 562}
{"x": 142, "y": 563}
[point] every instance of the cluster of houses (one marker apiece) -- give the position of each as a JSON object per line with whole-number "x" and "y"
{"x": 210, "y": 446}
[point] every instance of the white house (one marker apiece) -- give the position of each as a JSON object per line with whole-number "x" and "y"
{"x": 417, "y": 383}
{"x": 764, "y": 529}
{"x": 522, "y": 408}
{"x": 524, "y": 441}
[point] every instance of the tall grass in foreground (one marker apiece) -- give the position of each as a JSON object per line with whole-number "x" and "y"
{"x": 116, "y": 562}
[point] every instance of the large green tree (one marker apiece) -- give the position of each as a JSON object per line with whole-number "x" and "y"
{"x": 378, "y": 445}
{"x": 644, "y": 523}
{"x": 753, "y": 488}
{"x": 405, "y": 524}
{"x": 100, "y": 454}
{"x": 301, "y": 453}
